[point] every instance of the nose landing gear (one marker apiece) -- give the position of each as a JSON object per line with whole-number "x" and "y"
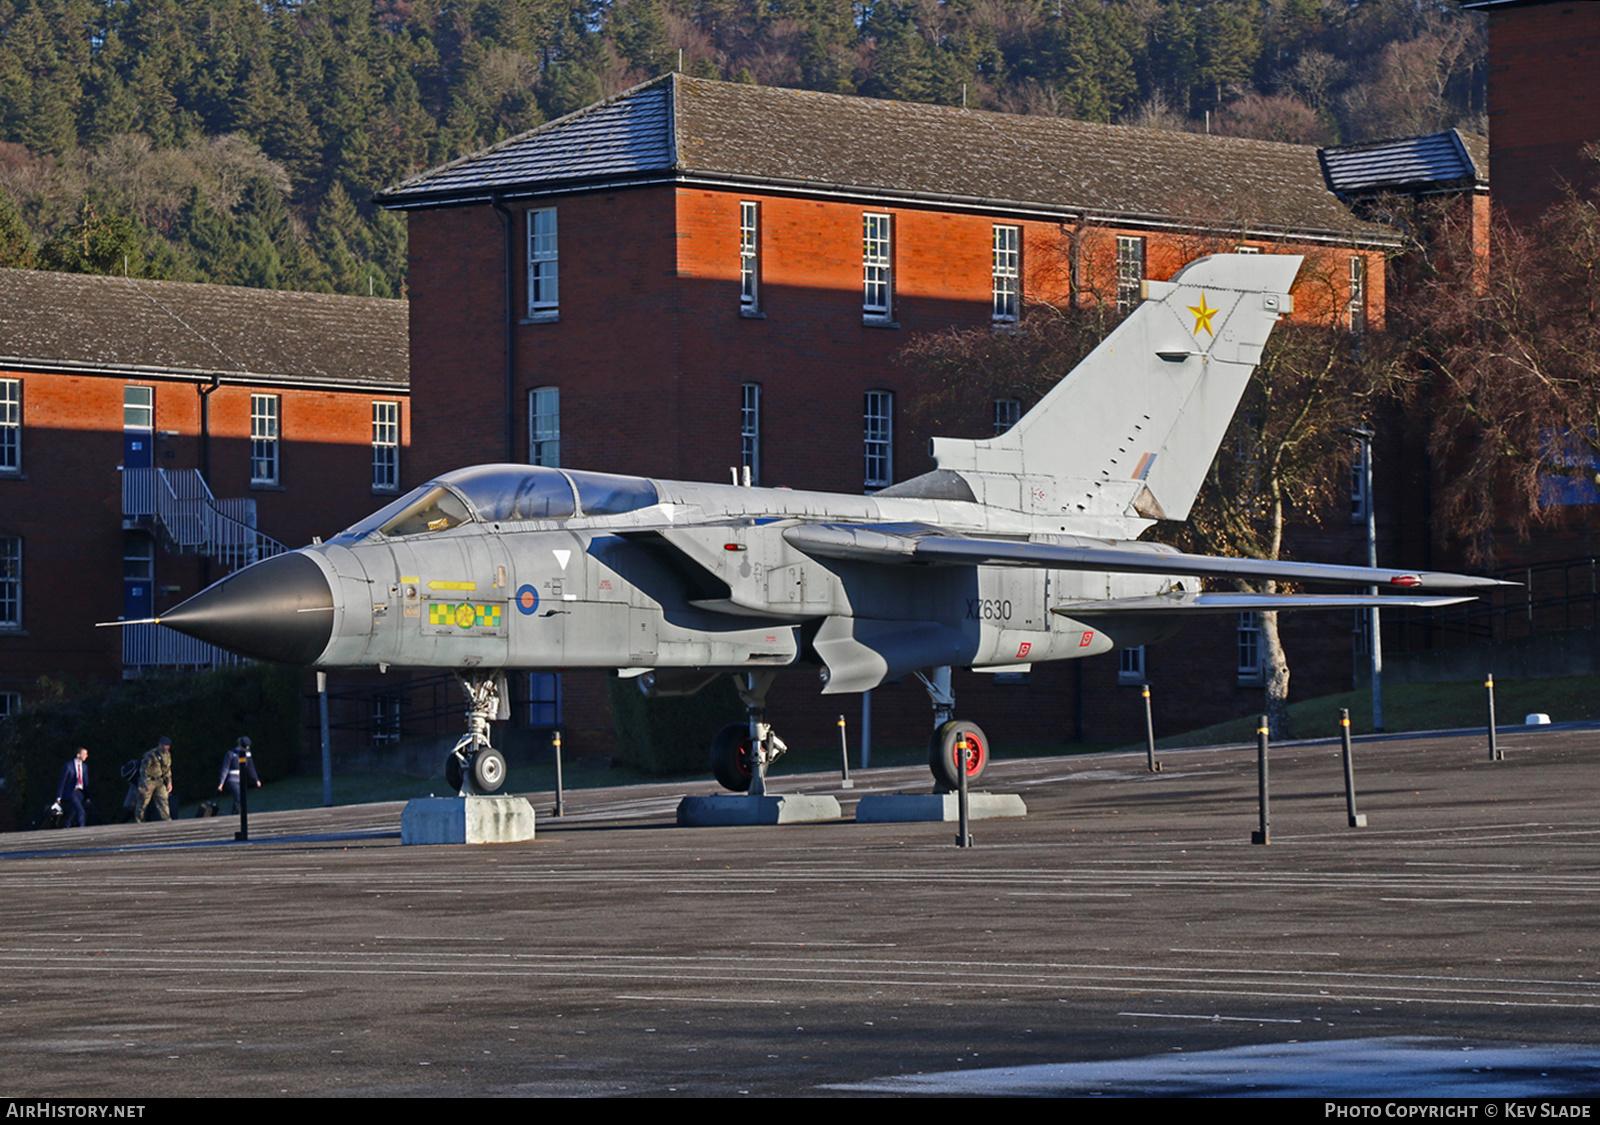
{"x": 474, "y": 767}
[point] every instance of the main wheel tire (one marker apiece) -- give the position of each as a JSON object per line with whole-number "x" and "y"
{"x": 731, "y": 760}
{"x": 488, "y": 770}
{"x": 944, "y": 754}
{"x": 453, "y": 775}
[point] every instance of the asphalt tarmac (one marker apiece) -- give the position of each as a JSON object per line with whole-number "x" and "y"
{"x": 1126, "y": 937}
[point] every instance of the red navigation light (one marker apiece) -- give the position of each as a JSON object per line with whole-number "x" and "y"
{"x": 1405, "y": 580}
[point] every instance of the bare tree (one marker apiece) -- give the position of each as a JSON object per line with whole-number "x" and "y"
{"x": 1510, "y": 335}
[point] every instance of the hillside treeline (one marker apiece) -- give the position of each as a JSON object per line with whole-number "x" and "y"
{"x": 240, "y": 141}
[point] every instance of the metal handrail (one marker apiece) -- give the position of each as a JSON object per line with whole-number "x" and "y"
{"x": 181, "y": 504}
{"x": 146, "y": 645}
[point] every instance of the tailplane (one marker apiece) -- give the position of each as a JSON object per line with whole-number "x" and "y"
{"x": 1130, "y": 433}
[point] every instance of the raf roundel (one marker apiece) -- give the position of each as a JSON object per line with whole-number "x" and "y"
{"x": 527, "y": 601}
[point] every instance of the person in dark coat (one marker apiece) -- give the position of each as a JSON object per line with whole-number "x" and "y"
{"x": 74, "y": 778}
{"x": 233, "y": 762}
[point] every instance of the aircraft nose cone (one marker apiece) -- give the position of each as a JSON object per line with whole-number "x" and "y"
{"x": 280, "y": 609}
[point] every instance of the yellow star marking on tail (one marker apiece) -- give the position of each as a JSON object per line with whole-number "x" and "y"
{"x": 1202, "y": 316}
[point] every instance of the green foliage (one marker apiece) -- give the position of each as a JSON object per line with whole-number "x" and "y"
{"x": 673, "y": 735}
{"x": 203, "y": 714}
{"x": 17, "y": 251}
{"x": 105, "y": 243}
{"x": 322, "y": 98}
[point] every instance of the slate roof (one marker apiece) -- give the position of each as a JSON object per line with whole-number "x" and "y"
{"x": 692, "y": 130}
{"x": 155, "y": 329}
{"x": 1432, "y": 162}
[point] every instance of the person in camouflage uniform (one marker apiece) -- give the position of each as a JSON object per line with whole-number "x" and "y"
{"x": 155, "y": 780}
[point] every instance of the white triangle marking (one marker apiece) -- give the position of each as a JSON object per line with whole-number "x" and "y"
{"x": 562, "y": 557}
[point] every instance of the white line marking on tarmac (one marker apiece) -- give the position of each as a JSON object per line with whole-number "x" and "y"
{"x": 698, "y": 999}
{"x": 714, "y": 891}
{"x": 1070, "y": 894}
{"x": 1265, "y": 952}
{"x": 832, "y": 944}
{"x": 1207, "y": 1019}
{"x": 237, "y": 991}
{"x": 1469, "y": 901}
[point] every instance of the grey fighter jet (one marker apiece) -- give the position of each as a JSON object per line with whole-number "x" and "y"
{"x": 1016, "y": 549}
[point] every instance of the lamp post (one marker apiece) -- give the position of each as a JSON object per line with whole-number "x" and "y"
{"x": 1363, "y": 435}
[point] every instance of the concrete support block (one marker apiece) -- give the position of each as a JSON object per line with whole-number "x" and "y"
{"x": 723, "y": 810}
{"x": 466, "y": 820}
{"x": 897, "y": 808}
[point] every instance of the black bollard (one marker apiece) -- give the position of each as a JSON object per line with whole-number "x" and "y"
{"x": 1357, "y": 820}
{"x": 1261, "y": 837}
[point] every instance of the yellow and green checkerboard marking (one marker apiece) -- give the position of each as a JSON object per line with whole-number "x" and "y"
{"x": 465, "y": 615}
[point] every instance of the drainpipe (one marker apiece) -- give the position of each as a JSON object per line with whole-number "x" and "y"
{"x": 205, "y": 426}
{"x": 506, "y": 219}
{"x": 205, "y": 458}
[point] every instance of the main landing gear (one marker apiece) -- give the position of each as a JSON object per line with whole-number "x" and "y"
{"x": 741, "y": 752}
{"x": 474, "y": 767}
{"x": 740, "y": 766}
{"x": 954, "y": 741}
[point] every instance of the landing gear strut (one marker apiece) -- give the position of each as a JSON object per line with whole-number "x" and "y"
{"x": 954, "y": 742}
{"x": 741, "y": 752}
{"x": 474, "y": 767}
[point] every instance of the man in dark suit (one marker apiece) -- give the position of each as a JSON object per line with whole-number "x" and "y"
{"x": 69, "y": 794}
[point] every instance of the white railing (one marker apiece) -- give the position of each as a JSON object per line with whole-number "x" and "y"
{"x": 156, "y": 646}
{"x": 178, "y": 501}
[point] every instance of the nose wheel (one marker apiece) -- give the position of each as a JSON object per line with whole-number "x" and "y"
{"x": 485, "y": 768}
{"x": 474, "y": 767}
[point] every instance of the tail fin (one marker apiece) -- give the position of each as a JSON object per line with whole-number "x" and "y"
{"x": 1132, "y": 430}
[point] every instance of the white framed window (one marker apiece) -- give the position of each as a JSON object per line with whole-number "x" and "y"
{"x": 878, "y": 432}
{"x": 1247, "y": 249}
{"x": 544, "y": 426}
{"x": 10, "y": 582}
{"x": 264, "y": 439}
{"x": 877, "y": 267}
{"x": 385, "y": 446}
{"x": 544, "y": 298}
{"x": 1007, "y": 412}
{"x": 544, "y": 699}
{"x": 1131, "y": 668}
{"x": 138, "y": 408}
{"x": 1007, "y": 273}
{"x": 1361, "y": 632}
{"x": 1358, "y": 293}
{"x": 749, "y": 258}
{"x": 750, "y": 429}
{"x": 1249, "y": 648}
{"x": 1130, "y": 272}
{"x": 10, "y": 425}
{"x": 10, "y": 703}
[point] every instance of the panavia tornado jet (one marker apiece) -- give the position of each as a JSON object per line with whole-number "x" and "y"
{"x": 1016, "y": 549}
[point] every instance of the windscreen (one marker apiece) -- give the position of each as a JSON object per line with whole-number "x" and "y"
{"x": 515, "y": 492}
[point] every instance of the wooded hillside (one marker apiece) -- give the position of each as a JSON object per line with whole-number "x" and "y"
{"x": 240, "y": 142}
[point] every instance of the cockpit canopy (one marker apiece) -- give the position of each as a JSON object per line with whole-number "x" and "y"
{"x": 503, "y": 493}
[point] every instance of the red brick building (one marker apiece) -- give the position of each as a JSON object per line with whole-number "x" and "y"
{"x": 155, "y": 434}
{"x": 697, "y": 275}
{"x": 1544, "y": 99}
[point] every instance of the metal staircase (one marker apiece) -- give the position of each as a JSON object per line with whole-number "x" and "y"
{"x": 177, "y": 507}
